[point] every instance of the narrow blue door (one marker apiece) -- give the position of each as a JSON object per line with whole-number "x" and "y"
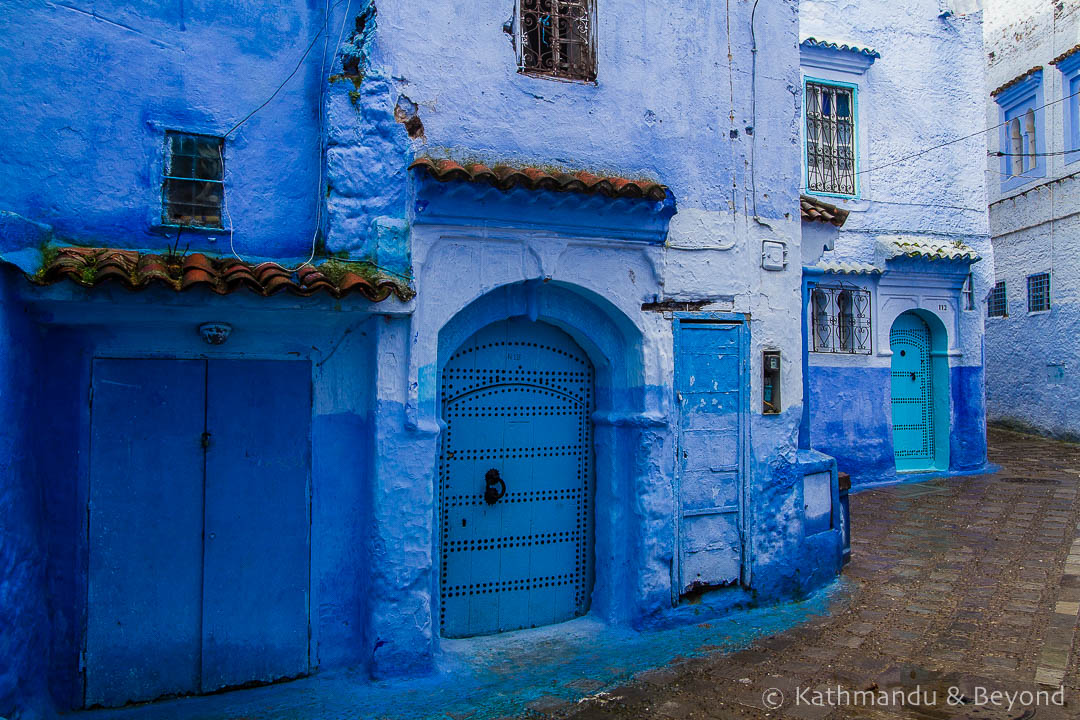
{"x": 912, "y": 394}
{"x": 256, "y": 551}
{"x": 709, "y": 383}
{"x": 515, "y": 480}
{"x": 145, "y": 530}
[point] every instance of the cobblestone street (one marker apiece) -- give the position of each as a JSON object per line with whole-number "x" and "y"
{"x": 972, "y": 583}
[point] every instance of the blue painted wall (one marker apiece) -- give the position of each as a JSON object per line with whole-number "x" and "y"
{"x": 24, "y": 615}
{"x": 91, "y": 88}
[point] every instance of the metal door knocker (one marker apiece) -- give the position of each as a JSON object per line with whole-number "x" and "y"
{"x": 496, "y": 487}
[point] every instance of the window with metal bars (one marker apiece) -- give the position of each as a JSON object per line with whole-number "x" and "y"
{"x": 1038, "y": 289}
{"x": 557, "y": 38}
{"x": 997, "y": 303}
{"x": 830, "y": 138}
{"x": 841, "y": 319}
{"x": 193, "y": 183}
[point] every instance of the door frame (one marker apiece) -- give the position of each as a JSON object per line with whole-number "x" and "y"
{"x": 725, "y": 318}
{"x": 82, "y": 483}
{"x": 941, "y": 391}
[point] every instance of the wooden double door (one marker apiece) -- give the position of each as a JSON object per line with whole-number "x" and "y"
{"x": 198, "y": 526}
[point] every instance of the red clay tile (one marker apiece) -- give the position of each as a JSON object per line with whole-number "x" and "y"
{"x": 811, "y": 209}
{"x": 506, "y": 177}
{"x": 91, "y": 267}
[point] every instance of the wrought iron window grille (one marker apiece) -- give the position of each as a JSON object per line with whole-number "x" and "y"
{"x": 841, "y": 319}
{"x": 1038, "y": 289}
{"x": 830, "y": 138}
{"x": 997, "y": 302}
{"x": 193, "y": 183}
{"x": 557, "y": 38}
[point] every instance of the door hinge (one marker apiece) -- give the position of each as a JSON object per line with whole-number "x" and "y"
{"x": 205, "y": 440}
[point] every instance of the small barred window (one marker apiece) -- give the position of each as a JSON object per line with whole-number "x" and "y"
{"x": 830, "y": 139}
{"x": 194, "y": 179}
{"x": 557, "y": 39}
{"x": 841, "y": 320}
{"x": 997, "y": 305}
{"x": 1038, "y": 287}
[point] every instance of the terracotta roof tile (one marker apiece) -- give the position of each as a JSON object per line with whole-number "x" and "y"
{"x": 813, "y": 209}
{"x": 92, "y": 267}
{"x": 1067, "y": 53}
{"x": 1016, "y": 80}
{"x": 506, "y": 177}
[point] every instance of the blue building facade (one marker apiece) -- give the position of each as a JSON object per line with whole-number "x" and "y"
{"x": 333, "y": 331}
{"x": 896, "y": 257}
{"x": 1032, "y": 81}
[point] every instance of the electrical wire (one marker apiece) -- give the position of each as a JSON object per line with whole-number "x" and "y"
{"x": 327, "y": 8}
{"x": 753, "y": 106}
{"x": 998, "y": 153}
{"x": 959, "y": 139}
{"x": 300, "y": 62}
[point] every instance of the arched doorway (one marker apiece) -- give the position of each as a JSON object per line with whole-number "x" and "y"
{"x": 515, "y": 480}
{"x": 919, "y": 380}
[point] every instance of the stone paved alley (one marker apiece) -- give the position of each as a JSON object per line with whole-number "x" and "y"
{"x": 962, "y": 583}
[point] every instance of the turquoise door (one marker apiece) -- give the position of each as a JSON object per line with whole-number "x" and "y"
{"x": 912, "y": 394}
{"x": 515, "y": 480}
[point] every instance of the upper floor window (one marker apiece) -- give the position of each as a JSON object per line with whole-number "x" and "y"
{"x": 1069, "y": 65}
{"x": 1020, "y": 142}
{"x": 1038, "y": 290}
{"x": 830, "y": 138}
{"x": 841, "y": 319}
{"x": 997, "y": 304}
{"x": 557, "y": 38}
{"x": 192, "y": 188}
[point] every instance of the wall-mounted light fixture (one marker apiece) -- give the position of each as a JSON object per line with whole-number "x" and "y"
{"x": 215, "y": 333}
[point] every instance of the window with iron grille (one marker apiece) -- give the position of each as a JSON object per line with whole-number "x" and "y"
{"x": 830, "y": 138}
{"x": 841, "y": 319}
{"x": 997, "y": 304}
{"x": 193, "y": 184}
{"x": 557, "y": 38}
{"x": 1038, "y": 287}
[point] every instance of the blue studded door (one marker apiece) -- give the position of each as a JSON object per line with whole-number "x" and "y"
{"x": 515, "y": 481}
{"x": 912, "y": 394}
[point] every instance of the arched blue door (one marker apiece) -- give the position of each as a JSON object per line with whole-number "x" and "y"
{"x": 515, "y": 480}
{"x": 912, "y": 394}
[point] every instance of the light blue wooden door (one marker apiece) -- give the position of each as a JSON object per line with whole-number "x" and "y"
{"x": 255, "y": 581}
{"x": 710, "y": 382}
{"x": 912, "y": 394}
{"x": 145, "y": 530}
{"x": 517, "y": 399}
